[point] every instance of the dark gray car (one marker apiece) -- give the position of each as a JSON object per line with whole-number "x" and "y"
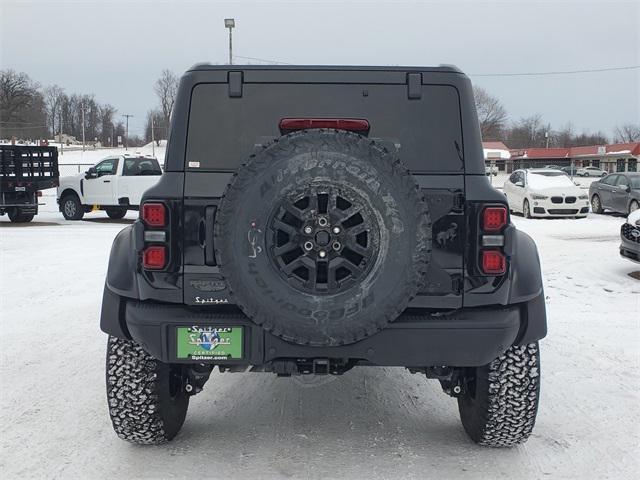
{"x": 619, "y": 192}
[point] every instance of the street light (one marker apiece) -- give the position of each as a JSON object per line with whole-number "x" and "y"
{"x": 230, "y": 23}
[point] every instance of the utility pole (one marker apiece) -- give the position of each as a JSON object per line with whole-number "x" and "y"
{"x": 82, "y": 105}
{"x": 113, "y": 134}
{"x": 126, "y": 135}
{"x": 230, "y": 23}
{"x": 60, "y": 132}
{"x": 153, "y": 138}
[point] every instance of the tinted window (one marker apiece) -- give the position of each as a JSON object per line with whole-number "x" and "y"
{"x": 610, "y": 179}
{"x": 107, "y": 167}
{"x": 141, "y": 166}
{"x": 635, "y": 181}
{"x": 514, "y": 177}
{"x": 224, "y": 131}
{"x": 622, "y": 180}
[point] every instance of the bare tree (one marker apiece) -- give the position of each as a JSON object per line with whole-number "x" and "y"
{"x": 627, "y": 133}
{"x": 166, "y": 88}
{"x": 53, "y": 99}
{"x": 22, "y": 110}
{"x": 491, "y": 114}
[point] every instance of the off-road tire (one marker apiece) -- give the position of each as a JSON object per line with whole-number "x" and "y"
{"x": 116, "y": 213}
{"x": 323, "y": 159}
{"x": 146, "y": 405}
{"x": 596, "y": 204}
{"x": 17, "y": 215}
{"x": 71, "y": 207}
{"x": 500, "y": 406}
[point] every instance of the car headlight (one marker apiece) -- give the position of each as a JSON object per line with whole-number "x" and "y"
{"x": 583, "y": 197}
{"x": 535, "y": 196}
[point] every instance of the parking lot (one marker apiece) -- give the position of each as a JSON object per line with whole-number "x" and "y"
{"x": 369, "y": 423}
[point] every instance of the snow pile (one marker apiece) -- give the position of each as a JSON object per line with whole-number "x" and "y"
{"x": 369, "y": 423}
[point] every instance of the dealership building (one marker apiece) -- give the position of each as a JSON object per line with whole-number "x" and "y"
{"x": 617, "y": 157}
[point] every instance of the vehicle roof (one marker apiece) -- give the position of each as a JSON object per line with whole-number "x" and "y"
{"x": 443, "y": 68}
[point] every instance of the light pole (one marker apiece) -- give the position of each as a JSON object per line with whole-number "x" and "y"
{"x": 230, "y": 23}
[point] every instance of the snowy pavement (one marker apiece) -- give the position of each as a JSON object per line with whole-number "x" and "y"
{"x": 369, "y": 423}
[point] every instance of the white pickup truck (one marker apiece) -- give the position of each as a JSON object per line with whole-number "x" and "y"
{"x": 115, "y": 185}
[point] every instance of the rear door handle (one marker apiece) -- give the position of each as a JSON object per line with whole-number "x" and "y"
{"x": 209, "y": 218}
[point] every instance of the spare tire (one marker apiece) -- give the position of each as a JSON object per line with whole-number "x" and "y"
{"x": 322, "y": 237}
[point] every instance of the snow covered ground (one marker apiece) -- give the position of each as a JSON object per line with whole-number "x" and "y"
{"x": 369, "y": 423}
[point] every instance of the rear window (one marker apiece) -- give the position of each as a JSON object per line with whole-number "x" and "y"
{"x": 141, "y": 166}
{"x": 224, "y": 131}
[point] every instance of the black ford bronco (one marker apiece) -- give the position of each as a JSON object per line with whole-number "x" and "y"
{"x": 313, "y": 219}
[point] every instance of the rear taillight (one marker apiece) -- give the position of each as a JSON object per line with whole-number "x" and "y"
{"x": 154, "y": 257}
{"x": 154, "y": 214}
{"x": 352, "y": 124}
{"x": 494, "y": 219}
{"x": 155, "y": 218}
{"x": 493, "y": 262}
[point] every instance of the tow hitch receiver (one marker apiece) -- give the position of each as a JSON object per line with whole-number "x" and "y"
{"x": 451, "y": 379}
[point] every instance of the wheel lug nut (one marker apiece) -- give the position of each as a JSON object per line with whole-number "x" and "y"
{"x": 308, "y": 229}
{"x": 336, "y": 230}
{"x": 322, "y": 253}
{"x": 308, "y": 246}
{"x": 323, "y": 222}
{"x": 336, "y": 245}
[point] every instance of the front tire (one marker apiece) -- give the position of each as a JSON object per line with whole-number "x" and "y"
{"x": 526, "y": 209}
{"x": 116, "y": 212}
{"x": 596, "y": 204}
{"x": 147, "y": 400}
{"x": 500, "y": 406}
{"x": 17, "y": 215}
{"x": 71, "y": 207}
{"x": 633, "y": 206}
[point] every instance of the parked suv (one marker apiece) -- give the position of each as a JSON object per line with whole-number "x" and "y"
{"x": 314, "y": 219}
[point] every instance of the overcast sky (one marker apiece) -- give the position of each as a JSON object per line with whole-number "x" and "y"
{"x": 117, "y": 49}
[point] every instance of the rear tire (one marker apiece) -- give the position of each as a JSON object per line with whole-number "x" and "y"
{"x": 596, "y": 204}
{"x": 116, "y": 212}
{"x": 147, "y": 400}
{"x": 71, "y": 207}
{"x": 500, "y": 407}
{"x": 17, "y": 215}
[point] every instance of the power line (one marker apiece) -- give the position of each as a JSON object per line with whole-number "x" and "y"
{"x": 263, "y": 60}
{"x": 559, "y": 72}
{"x": 501, "y": 74}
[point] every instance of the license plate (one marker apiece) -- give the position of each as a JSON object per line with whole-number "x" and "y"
{"x": 209, "y": 343}
{"x": 21, "y": 189}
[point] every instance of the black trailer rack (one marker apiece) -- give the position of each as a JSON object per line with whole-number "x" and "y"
{"x": 33, "y": 167}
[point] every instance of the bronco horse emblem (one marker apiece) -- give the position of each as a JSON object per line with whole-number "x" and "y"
{"x": 447, "y": 235}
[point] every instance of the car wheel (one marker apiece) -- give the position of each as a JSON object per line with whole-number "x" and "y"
{"x": 596, "y": 206}
{"x": 633, "y": 206}
{"x": 72, "y": 209}
{"x": 500, "y": 405}
{"x": 116, "y": 213}
{"x": 147, "y": 398}
{"x": 526, "y": 210}
{"x": 17, "y": 215}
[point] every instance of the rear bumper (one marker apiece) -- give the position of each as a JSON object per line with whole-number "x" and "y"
{"x": 468, "y": 337}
